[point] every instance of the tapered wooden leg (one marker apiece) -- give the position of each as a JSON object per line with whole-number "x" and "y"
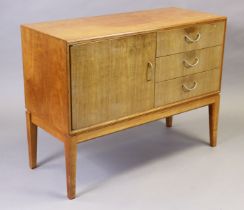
{"x": 169, "y": 121}
{"x": 213, "y": 121}
{"x": 32, "y": 140}
{"x": 70, "y": 159}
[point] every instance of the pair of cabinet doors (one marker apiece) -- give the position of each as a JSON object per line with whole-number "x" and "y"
{"x": 111, "y": 79}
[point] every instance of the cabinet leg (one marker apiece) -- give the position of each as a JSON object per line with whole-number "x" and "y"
{"x": 169, "y": 121}
{"x": 32, "y": 140}
{"x": 70, "y": 159}
{"x": 213, "y": 121}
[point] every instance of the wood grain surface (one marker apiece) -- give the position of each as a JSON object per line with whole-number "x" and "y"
{"x": 174, "y": 41}
{"x": 172, "y": 66}
{"x": 80, "y": 29}
{"x": 46, "y": 78}
{"x": 172, "y": 90}
{"x": 109, "y": 79}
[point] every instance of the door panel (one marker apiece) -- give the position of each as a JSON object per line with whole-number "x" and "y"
{"x": 109, "y": 79}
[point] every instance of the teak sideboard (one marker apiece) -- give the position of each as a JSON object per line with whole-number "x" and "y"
{"x": 93, "y": 76}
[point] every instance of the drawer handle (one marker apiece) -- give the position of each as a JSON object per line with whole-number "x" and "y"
{"x": 149, "y": 71}
{"x": 185, "y": 88}
{"x": 190, "y": 40}
{"x": 188, "y": 65}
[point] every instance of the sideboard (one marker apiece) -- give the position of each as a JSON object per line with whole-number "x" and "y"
{"x": 92, "y": 76}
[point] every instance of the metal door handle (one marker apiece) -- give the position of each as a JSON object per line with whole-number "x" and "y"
{"x": 188, "y": 65}
{"x": 185, "y": 88}
{"x": 190, "y": 40}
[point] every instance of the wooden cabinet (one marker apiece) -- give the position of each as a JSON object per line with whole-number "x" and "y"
{"x": 89, "y": 77}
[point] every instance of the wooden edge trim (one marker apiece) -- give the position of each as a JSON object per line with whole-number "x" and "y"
{"x": 148, "y": 117}
{"x": 222, "y": 56}
{"x": 69, "y": 106}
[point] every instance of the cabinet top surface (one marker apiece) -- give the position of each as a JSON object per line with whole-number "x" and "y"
{"x": 87, "y": 28}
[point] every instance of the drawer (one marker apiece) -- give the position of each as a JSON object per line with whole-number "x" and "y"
{"x": 181, "y": 64}
{"x": 186, "y": 87}
{"x": 190, "y": 38}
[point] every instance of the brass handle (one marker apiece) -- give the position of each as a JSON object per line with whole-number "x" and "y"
{"x": 149, "y": 71}
{"x": 188, "y": 65}
{"x": 185, "y": 88}
{"x": 190, "y": 40}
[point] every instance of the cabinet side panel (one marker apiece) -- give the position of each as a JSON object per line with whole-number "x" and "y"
{"x": 46, "y": 78}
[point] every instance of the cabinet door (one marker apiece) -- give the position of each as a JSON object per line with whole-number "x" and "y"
{"x": 111, "y": 79}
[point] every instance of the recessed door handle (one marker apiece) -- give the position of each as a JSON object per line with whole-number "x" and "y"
{"x": 149, "y": 71}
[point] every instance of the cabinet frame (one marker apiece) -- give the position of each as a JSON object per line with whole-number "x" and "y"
{"x": 48, "y": 54}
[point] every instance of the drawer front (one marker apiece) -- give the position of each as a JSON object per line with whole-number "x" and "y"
{"x": 190, "y": 38}
{"x": 181, "y": 64}
{"x": 186, "y": 87}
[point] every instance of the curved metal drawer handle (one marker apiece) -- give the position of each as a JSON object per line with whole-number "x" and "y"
{"x": 190, "y": 40}
{"x": 185, "y": 88}
{"x": 188, "y": 65}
